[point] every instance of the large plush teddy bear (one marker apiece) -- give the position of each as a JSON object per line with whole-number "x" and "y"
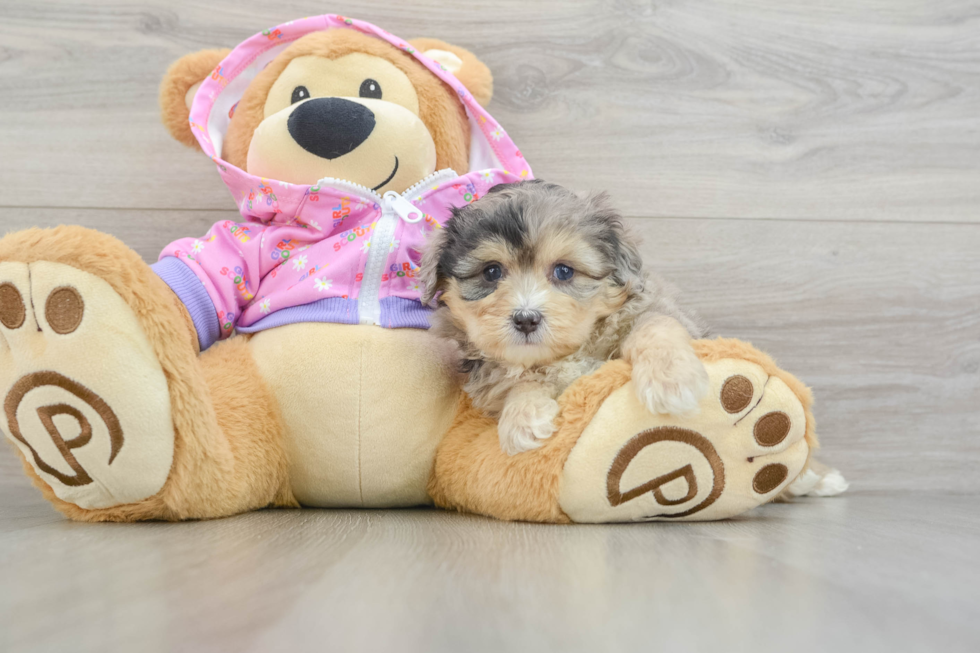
{"x": 283, "y": 359}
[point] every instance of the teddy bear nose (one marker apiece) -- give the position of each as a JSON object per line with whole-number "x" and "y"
{"x": 330, "y": 127}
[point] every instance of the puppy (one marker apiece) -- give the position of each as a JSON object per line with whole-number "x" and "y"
{"x": 539, "y": 287}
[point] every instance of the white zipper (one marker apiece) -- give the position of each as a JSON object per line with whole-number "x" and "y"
{"x": 405, "y": 209}
{"x": 393, "y": 206}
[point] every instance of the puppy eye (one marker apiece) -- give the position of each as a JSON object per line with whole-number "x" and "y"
{"x": 371, "y": 89}
{"x": 493, "y": 272}
{"x": 299, "y": 94}
{"x": 562, "y": 272}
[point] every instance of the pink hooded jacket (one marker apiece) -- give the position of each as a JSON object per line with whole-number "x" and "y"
{"x": 332, "y": 252}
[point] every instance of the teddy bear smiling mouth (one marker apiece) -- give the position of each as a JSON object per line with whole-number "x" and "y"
{"x": 390, "y": 177}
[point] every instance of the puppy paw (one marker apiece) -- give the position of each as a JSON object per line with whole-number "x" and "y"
{"x": 525, "y": 421}
{"x": 670, "y": 381}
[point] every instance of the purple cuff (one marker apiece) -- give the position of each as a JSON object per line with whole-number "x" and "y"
{"x": 194, "y": 295}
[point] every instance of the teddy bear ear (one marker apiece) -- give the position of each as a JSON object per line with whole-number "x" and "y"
{"x": 462, "y": 63}
{"x": 180, "y": 82}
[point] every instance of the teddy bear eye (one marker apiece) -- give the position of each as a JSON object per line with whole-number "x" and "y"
{"x": 299, "y": 94}
{"x": 371, "y": 89}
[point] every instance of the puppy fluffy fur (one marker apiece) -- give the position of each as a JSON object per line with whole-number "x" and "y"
{"x": 538, "y": 287}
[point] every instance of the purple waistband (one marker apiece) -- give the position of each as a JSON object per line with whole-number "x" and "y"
{"x": 396, "y": 312}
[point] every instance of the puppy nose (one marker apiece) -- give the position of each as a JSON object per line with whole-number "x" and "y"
{"x": 330, "y": 127}
{"x": 526, "y": 321}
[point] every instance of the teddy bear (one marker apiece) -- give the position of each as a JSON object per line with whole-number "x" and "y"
{"x": 283, "y": 359}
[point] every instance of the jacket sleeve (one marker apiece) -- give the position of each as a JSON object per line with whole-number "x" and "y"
{"x": 215, "y": 276}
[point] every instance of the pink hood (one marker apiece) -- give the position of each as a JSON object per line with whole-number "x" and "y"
{"x": 490, "y": 149}
{"x": 332, "y": 252}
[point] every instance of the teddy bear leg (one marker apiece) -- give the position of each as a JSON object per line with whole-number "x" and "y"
{"x": 114, "y": 414}
{"x": 611, "y": 460}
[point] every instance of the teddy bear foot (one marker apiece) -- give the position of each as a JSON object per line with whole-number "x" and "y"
{"x": 741, "y": 450}
{"x": 85, "y": 399}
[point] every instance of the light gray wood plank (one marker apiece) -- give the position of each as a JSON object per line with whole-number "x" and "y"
{"x": 841, "y": 111}
{"x": 867, "y": 573}
{"x": 880, "y": 319}
{"x": 146, "y": 231}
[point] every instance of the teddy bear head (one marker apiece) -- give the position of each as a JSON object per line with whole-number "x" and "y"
{"x": 342, "y": 104}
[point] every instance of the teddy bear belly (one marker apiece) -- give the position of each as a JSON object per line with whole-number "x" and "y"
{"x": 364, "y": 410}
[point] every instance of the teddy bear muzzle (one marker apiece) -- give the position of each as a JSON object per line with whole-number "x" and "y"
{"x": 377, "y": 144}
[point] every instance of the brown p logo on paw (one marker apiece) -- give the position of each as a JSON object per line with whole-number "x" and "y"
{"x": 46, "y": 415}
{"x": 617, "y": 496}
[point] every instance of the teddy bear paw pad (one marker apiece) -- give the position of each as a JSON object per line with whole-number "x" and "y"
{"x": 84, "y": 397}
{"x": 744, "y": 446}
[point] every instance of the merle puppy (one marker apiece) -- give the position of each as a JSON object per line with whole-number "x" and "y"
{"x": 539, "y": 287}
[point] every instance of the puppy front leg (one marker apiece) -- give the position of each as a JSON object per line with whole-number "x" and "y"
{"x": 527, "y": 418}
{"x": 668, "y": 375}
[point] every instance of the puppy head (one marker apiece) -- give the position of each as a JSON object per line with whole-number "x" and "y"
{"x": 529, "y": 270}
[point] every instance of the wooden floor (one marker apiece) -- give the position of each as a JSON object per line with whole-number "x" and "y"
{"x": 807, "y": 173}
{"x": 869, "y": 572}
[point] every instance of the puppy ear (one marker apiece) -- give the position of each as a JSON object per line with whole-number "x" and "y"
{"x": 428, "y": 274}
{"x": 462, "y": 63}
{"x": 620, "y": 241}
{"x": 178, "y": 87}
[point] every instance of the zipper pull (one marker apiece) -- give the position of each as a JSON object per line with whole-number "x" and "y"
{"x": 405, "y": 209}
